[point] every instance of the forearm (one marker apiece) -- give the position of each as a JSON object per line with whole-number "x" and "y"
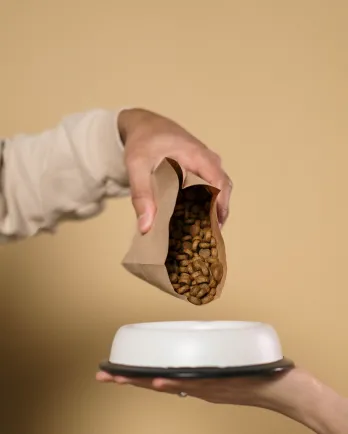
{"x": 303, "y": 398}
{"x": 65, "y": 171}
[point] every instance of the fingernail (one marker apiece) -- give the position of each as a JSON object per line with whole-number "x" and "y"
{"x": 222, "y": 217}
{"x": 144, "y": 222}
{"x": 158, "y": 383}
{"x": 103, "y": 377}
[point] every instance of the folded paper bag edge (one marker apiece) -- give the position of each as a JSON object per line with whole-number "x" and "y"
{"x": 150, "y": 248}
{"x": 141, "y": 273}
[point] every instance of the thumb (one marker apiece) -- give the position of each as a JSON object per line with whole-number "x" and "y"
{"x": 142, "y": 197}
{"x": 145, "y": 210}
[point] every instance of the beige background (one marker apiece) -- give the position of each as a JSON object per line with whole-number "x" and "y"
{"x": 264, "y": 83}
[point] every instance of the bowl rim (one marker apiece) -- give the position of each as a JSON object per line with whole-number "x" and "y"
{"x": 195, "y": 326}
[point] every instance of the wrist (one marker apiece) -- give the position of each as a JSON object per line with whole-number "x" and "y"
{"x": 303, "y": 398}
{"x": 129, "y": 121}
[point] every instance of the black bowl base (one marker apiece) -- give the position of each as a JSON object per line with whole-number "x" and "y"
{"x": 201, "y": 372}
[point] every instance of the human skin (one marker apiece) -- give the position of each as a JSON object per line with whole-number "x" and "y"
{"x": 148, "y": 138}
{"x": 296, "y": 394}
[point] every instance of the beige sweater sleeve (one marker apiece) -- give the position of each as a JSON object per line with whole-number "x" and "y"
{"x": 62, "y": 172}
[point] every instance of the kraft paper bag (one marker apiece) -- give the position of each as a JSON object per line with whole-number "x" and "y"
{"x": 147, "y": 255}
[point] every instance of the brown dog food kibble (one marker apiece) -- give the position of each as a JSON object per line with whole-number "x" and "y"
{"x": 193, "y": 262}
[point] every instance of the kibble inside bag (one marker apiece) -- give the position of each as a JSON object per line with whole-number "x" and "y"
{"x": 183, "y": 254}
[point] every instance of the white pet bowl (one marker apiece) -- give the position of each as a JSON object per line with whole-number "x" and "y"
{"x": 193, "y": 345}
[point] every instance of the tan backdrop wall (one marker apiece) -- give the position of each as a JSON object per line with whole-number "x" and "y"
{"x": 265, "y": 85}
